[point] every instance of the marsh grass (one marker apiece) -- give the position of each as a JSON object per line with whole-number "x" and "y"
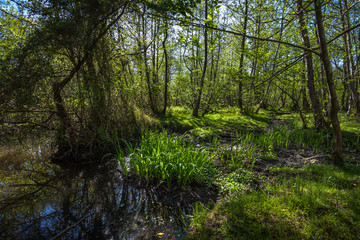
{"x": 120, "y": 155}
{"x": 283, "y": 136}
{"x": 236, "y": 152}
{"x": 168, "y": 158}
{"x": 350, "y": 127}
{"x": 250, "y": 145}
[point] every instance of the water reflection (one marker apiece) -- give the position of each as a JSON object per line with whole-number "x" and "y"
{"x": 42, "y": 201}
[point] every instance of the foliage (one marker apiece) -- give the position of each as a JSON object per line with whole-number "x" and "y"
{"x": 167, "y": 158}
{"x": 85, "y": 68}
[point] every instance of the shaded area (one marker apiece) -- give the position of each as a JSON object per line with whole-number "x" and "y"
{"x": 40, "y": 200}
{"x": 313, "y": 202}
{"x": 288, "y": 190}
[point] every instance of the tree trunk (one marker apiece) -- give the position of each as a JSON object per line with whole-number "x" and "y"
{"x": 337, "y": 153}
{"x": 261, "y": 104}
{"x": 145, "y": 61}
{"x": 166, "y": 69}
{"x": 324, "y": 91}
{"x": 241, "y": 66}
{"x": 319, "y": 119}
{"x": 198, "y": 99}
{"x": 349, "y": 63}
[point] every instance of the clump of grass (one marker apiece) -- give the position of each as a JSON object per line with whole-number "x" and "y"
{"x": 239, "y": 150}
{"x": 318, "y": 140}
{"x": 282, "y": 136}
{"x": 252, "y": 145}
{"x": 120, "y": 156}
{"x": 276, "y": 137}
{"x": 315, "y": 202}
{"x": 168, "y": 158}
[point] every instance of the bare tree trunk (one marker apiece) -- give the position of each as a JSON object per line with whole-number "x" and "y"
{"x": 198, "y": 100}
{"x": 145, "y": 61}
{"x": 324, "y": 91}
{"x": 337, "y": 152}
{"x": 65, "y": 132}
{"x": 274, "y": 66}
{"x": 319, "y": 119}
{"x": 305, "y": 103}
{"x": 213, "y": 76}
{"x": 241, "y": 66}
{"x": 166, "y": 69}
{"x": 349, "y": 60}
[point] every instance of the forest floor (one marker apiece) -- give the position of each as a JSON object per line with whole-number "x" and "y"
{"x": 259, "y": 176}
{"x": 284, "y": 188}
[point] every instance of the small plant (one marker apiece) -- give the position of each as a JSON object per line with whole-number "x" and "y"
{"x": 239, "y": 180}
{"x": 215, "y": 143}
{"x": 120, "y": 154}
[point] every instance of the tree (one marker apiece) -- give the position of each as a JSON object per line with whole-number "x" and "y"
{"x": 349, "y": 68}
{"x": 203, "y": 73}
{"x": 319, "y": 120}
{"x": 337, "y": 148}
{"x": 241, "y": 64}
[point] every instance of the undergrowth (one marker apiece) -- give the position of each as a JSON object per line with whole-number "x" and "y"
{"x": 320, "y": 202}
{"x": 251, "y": 146}
{"x": 312, "y": 202}
{"x": 166, "y": 158}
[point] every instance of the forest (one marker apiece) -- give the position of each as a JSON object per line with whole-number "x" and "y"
{"x": 179, "y": 119}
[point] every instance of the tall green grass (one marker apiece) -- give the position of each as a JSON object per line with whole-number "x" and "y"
{"x": 249, "y": 145}
{"x": 236, "y": 152}
{"x": 168, "y": 158}
{"x": 282, "y": 136}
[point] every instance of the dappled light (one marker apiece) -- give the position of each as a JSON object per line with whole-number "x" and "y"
{"x": 179, "y": 119}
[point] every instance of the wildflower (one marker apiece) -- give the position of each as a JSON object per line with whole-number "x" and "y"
{"x": 160, "y": 234}
{"x": 354, "y": 184}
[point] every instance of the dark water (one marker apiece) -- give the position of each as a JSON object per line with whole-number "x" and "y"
{"x": 40, "y": 200}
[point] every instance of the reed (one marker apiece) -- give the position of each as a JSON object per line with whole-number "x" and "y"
{"x": 170, "y": 159}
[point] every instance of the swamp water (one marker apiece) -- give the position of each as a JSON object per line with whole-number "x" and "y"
{"x": 40, "y": 200}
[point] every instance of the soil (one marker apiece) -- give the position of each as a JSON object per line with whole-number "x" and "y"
{"x": 292, "y": 157}
{"x": 175, "y": 195}
{"x": 297, "y": 157}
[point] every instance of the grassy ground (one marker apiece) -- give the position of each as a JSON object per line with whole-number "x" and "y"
{"x": 179, "y": 119}
{"x": 290, "y": 191}
{"x": 313, "y": 202}
{"x": 275, "y": 179}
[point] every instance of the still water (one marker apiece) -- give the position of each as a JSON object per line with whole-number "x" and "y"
{"x": 40, "y": 200}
